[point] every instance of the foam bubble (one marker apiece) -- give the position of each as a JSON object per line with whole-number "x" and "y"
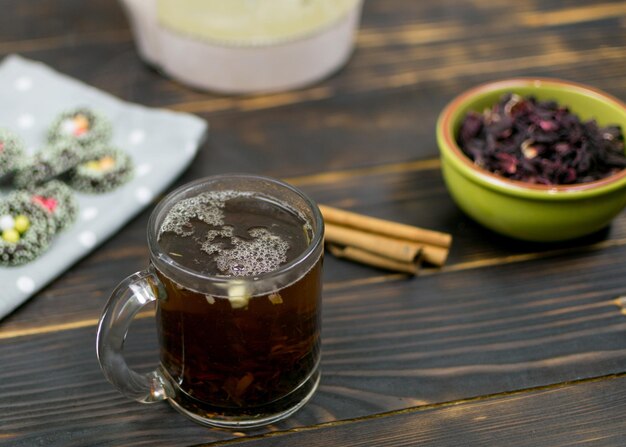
{"x": 231, "y": 253}
{"x": 209, "y": 246}
{"x": 207, "y": 207}
{"x": 264, "y": 253}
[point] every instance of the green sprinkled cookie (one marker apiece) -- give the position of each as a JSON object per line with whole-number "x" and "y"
{"x": 51, "y": 162}
{"x": 58, "y": 200}
{"x": 81, "y": 125}
{"x": 11, "y": 152}
{"x": 107, "y": 170}
{"x": 25, "y": 229}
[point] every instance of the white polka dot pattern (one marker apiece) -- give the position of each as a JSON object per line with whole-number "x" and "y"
{"x": 87, "y": 239}
{"x": 25, "y": 284}
{"x": 143, "y": 195}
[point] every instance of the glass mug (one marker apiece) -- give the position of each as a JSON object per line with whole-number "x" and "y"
{"x": 235, "y": 271}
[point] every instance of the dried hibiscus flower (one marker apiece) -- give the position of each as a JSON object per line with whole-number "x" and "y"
{"x": 540, "y": 142}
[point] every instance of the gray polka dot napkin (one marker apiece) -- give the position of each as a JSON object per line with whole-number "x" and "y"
{"x": 161, "y": 143}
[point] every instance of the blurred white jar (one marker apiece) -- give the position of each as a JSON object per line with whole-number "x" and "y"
{"x": 242, "y": 46}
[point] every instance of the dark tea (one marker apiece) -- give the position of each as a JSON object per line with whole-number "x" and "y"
{"x": 235, "y": 272}
{"x": 241, "y": 352}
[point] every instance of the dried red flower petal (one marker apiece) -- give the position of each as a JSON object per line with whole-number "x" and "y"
{"x": 540, "y": 142}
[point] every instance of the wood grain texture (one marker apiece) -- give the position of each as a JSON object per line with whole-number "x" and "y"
{"x": 405, "y": 195}
{"x": 68, "y": 21}
{"x": 386, "y": 347}
{"x": 579, "y": 414}
{"x": 501, "y": 316}
{"x": 398, "y": 49}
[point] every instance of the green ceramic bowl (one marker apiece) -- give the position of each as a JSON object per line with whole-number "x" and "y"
{"x": 522, "y": 210}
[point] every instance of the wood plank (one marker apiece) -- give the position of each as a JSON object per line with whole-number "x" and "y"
{"x": 54, "y": 19}
{"x": 589, "y": 413}
{"x": 405, "y": 195}
{"x": 62, "y": 21}
{"x": 407, "y": 55}
{"x": 386, "y": 347}
{"x": 469, "y": 60}
{"x": 357, "y": 127}
{"x": 338, "y": 133}
{"x": 501, "y": 316}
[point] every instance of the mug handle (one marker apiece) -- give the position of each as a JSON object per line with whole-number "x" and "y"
{"x": 128, "y": 298}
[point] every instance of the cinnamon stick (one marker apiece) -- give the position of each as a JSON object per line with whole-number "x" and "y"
{"x": 434, "y": 255}
{"x": 385, "y": 227}
{"x": 391, "y": 248}
{"x": 402, "y": 251}
{"x": 365, "y": 257}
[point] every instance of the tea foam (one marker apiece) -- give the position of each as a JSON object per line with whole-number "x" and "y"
{"x": 264, "y": 253}
{"x": 233, "y": 233}
{"x": 207, "y": 207}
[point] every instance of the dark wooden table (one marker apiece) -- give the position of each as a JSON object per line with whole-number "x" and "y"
{"x": 510, "y": 343}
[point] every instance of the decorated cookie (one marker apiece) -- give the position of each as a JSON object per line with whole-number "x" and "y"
{"x": 81, "y": 125}
{"x": 25, "y": 229}
{"x": 58, "y": 201}
{"x": 108, "y": 169}
{"x": 11, "y": 152}
{"x": 51, "y": 162}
